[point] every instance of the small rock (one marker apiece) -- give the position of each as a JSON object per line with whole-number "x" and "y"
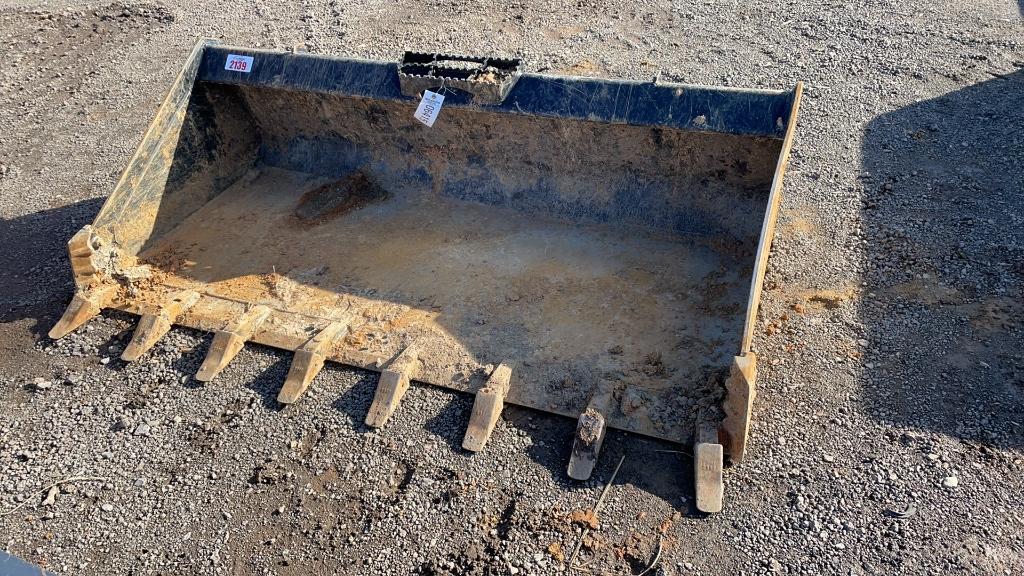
{"x": 950, "y": 482}
{"x": 105, "y": 360}
{"x": 51, "y": 496}
{"x": 108, "y": 507}
{"x": 142, "y": 430}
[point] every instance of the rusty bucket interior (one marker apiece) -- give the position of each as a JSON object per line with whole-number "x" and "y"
{"x": 582, "y": 246}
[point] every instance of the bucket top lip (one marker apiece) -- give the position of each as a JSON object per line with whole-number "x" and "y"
{"x": 720, "y": 109}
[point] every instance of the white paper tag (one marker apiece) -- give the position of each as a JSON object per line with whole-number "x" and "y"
{"x": 237, "y": 63}
{"x": 429, "y": 107}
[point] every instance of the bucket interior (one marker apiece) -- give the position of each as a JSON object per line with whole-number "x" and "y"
{"x": 586, "y": 254}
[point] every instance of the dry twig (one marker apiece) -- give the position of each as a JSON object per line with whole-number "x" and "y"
{"x": 597, "y": 508}
{"x": 51, "y": 485}
{"x": 655, "y": 560}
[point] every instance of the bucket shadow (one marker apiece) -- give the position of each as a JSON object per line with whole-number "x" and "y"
{"x": 267, "y": 384}
{"x": 942, "y": 213}
{"x": 449, "y": 425}
{"x": 660, "y": 468}
{"x": 35, "y": 275}
{"x": 355, "y": 401}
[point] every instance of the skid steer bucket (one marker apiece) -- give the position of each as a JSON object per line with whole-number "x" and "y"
{"x": 592, "y": 248}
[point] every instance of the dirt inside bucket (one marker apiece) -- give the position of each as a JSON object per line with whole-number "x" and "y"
{"x": 571, "y": 307}
{"x": 336, "y": 198}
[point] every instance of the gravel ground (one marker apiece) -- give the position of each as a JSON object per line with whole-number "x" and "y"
{"x": 890, "y": 423}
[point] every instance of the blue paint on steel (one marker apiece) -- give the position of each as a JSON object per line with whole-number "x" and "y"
{"x": 11, "y": 565}
{"x": 726, "y": 110}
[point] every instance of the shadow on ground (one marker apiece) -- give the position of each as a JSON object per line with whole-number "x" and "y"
{"x": 657, "y": 467}
{"x": 943, "y": 217}
{"x": 35, "y": 276}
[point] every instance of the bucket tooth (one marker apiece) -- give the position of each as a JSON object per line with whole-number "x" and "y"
{"x": 394, "y": 381}
{"x": 586, "y": 445}
{"x": 229, "y": 342}
{"x": 307, "y": 363}
{"x": 156, "y": 322}
{"x": 487, "y": 408}
{"x": 590, "y": 432}
{"x": 708, "y": 458}
{"x": 85, "y": 305}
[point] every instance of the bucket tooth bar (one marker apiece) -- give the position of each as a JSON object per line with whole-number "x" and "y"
{"x": 394, "y": 381}
{"x": 157, "y": 321}
{"x": 738, "y": 405}
{"x": 308, "y": 361}
{"x": 85, "y": 305}
{"x": 487, "y": 408}
{"x": 590, "y": 432}
{"x": 708, "y": 457}
{"x": 227, "y": 343}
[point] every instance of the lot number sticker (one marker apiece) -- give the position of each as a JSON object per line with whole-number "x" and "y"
{"x": 429, "y": 107}
{"x": 238, "y": 63}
